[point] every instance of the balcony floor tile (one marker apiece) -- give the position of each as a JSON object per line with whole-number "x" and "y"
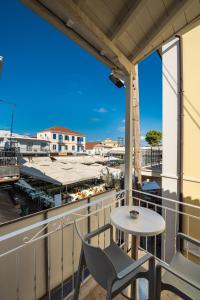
{"x": 99, "y": 294}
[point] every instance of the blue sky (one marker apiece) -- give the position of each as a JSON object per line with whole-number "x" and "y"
{"x": 53, "y": 81}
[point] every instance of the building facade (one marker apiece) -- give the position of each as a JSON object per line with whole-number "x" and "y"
{"x": 26, "y": 145}
{"x": 103, "y": 147}
{"x": 190, "y": 189}
{"x": 62, "y": 140}
{"x": 181, "y": 131}
{"x": 90, "y": 147}
{"x": 109, "y": 143}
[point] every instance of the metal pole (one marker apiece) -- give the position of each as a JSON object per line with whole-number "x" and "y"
{"x": 11, "y": 126}
{"x": 1, "y": 64}
{"x": 129, "y": 138}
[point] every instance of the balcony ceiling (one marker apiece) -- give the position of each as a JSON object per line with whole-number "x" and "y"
{"x": 120, "y": 33}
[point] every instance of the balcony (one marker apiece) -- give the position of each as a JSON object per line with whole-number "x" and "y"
{"x": 80, "y": 141}
{"x": 151, "y": 157}
{"x": 9, "y": 165}
{"x": 35, "y": 151}
{"x": 40, "y": 253}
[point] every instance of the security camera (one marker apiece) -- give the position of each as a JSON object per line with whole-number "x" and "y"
{"x": 116, "y": 81}
{"x": 117, "y": 77}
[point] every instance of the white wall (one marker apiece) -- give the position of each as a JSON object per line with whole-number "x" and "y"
{"x": 37, "y": 146}
{"x": 171, "y": 87}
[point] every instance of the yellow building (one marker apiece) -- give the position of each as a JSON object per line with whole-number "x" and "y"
{"x": 190, "y": 43}
{"x": 181, "y": 131}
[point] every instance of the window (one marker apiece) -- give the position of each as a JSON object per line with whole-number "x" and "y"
{"x": 54, "y": 147}
{"x": 59, "y": 148}
{"x": 43, "y": 146}
{"x": 73, "y": 138}
{"x": 73, "y": 148}
{"x": 60, "y": 137}
{"x": 66, "y": 138}
{"x": 54, "y": 136}
{"x": 29, "y": 146}
{"x": 66, "y": 147}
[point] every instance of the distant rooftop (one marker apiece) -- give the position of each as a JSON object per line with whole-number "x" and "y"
{"x": 6, "y": 134}
{"x": 61, "y": 130}
{"x": 91, "y": 145}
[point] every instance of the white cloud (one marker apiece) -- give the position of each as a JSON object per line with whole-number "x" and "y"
{"x": 101, "y": 110}
{"x": 95, "y": 120}
{"x": 142, "y": 138}
{"x": 79, "y": 92}
{"x": 121, "y": 128}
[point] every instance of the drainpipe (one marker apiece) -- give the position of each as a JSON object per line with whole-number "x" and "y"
{"x": 180, "y": 126}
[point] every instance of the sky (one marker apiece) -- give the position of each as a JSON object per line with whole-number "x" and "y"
{"x": 54, "y": 82}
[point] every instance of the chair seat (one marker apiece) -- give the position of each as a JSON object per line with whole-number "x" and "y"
{"x": 188, "y": 269}
{"x": 121, "y": 260}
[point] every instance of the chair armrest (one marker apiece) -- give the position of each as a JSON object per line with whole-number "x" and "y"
{"x": 98, "y": 231}
{"x": 134, "y": 266}
{"x": 183, "y": 236}
{"x": 176, "y": 273}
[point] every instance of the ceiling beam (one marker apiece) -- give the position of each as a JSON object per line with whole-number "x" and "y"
{"x": 105, "y": 50}
{"x": 80, "y": 3}
{"x": 161, "y": 26}
{"x": 82, "y": 21}
{"x": 125, "y": 19}
{"x": 58, "y": 23}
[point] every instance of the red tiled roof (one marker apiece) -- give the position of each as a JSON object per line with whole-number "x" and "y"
{"x": 61, "y": 130}
{"x": 91, "y": 145}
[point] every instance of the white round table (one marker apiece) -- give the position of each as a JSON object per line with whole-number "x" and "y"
{"x": 148, "y": 223}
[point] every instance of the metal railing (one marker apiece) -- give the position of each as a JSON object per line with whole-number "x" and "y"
{"x": 151, "y": 157}
{"x": 9, "y": 157}
{"x": 34, "y": 150}
{"x": 9, "y": 164}
{"x": 40, "y": 260}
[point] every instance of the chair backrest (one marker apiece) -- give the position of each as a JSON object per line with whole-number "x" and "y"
{"x": 98, "y": 263}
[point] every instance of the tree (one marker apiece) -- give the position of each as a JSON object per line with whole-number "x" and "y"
{"x": 153, "y": 137}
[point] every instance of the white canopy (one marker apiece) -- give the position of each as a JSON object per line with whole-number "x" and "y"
{"x": 62, "y": 173}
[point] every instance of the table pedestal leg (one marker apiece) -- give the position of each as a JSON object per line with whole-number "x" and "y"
{"x": 132, "y": 291}
{"x": 134, "y": 255}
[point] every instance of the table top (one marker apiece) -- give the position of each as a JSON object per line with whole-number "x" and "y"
{"x": 148, "y": 223}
